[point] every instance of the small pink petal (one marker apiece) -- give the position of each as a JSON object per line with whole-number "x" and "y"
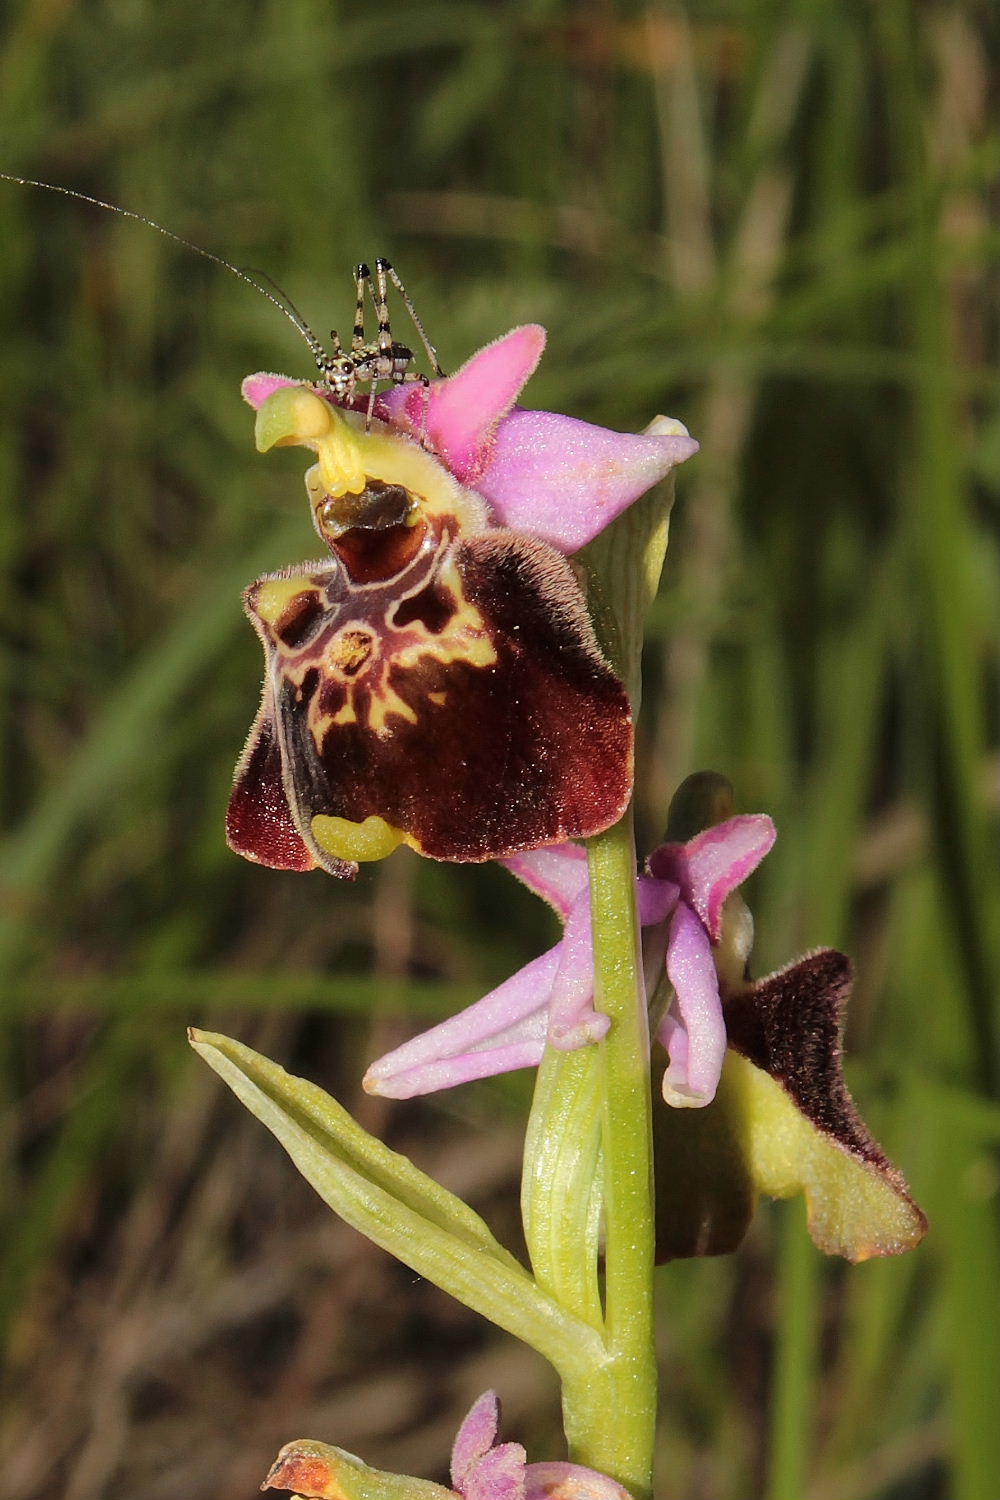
{"x": 469, "y": 1067}
{"x": 257, "y": 388}
{"x": 462, "y": 411}
{"x": 557, "y": 874}
{"x": 498, "y": 1475}
{"x": 564, "y": 480}
{"x": 573, "y": 1021}
{"x": 562, "y": 1481}
{"x": 693, "y": 1030}
{"x": 655, "y": 898}
{"x": 504, "y": 1030}
{"x": 714, "y": 863}
{"x": 476, "y": 1435}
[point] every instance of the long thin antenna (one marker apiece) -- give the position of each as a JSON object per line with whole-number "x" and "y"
{"x": 296, "y": 320}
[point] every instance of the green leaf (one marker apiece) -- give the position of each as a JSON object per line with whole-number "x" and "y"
{"x": 384, "y": 1196}
{"x": 561, "y": 1187}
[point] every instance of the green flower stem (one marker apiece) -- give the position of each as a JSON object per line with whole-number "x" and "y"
{"x": 610, "y": 1416}
{"x": 625, "y": 1385}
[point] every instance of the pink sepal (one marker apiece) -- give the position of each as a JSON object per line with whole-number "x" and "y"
{"x": 564, "y": 480}
{"x": 712, "y": 864}
{"x": 462, "y": 411}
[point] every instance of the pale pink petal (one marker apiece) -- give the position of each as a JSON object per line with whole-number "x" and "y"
{"x": 573, "y": 1021}
{"x": 693, "y": 1030}
{"x": 564, "y": 480}
{"x": 656, "y": 899}
{"x": 498, "y": 1475}
{"x": 556, "y": 1480}
{"x": 557, "y": 874}
{"x": 434, "y": 1077}
{"x": 459, "y": 414}
{"x": 503, "y": 1031}
{"x": 476, "y": 1435}
{"x": 257, "y": 388}
{"x": 714, "y": 863}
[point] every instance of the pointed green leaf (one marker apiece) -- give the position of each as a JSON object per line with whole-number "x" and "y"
{"x": 400, "y": 1208}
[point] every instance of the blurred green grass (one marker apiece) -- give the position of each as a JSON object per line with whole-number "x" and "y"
{"x": 770, "y": 219}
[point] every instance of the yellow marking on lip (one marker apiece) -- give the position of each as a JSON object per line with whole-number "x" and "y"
{"x": 385, "y": 702}
{"x": 464, "y": 639}
{"x": 373, "y": 838}
{"x": 349, "y": 650}
{"x": 274, "y": 595}
{"x": 359, "y": 656}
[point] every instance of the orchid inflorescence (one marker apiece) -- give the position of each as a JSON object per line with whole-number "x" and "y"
{"x": 436, "y": 680}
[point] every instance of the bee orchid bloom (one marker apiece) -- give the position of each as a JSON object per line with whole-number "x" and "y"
{"x": 437, "y": 681}
{"x": 481, "y": 1469}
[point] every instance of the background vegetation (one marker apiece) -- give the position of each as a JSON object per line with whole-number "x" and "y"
{"x": 769, "y": 218}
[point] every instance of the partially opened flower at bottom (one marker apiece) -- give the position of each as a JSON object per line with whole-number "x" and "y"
{"x": 551, "y": 1000}
{"x": 753, "y": 1093}
{"x": 481, "y": 1469}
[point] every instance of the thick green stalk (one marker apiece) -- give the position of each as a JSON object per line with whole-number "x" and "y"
{"x": 610, "y": 1416}
{"x": 626, "y": 1384}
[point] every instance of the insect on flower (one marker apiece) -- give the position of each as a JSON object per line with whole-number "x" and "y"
{"x": 383, "y": 358}
{"x": 435, "y": 679}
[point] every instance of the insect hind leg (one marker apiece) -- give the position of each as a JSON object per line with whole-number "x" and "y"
{"x": 385, "y": 269}
{"x": 381, "y": 304}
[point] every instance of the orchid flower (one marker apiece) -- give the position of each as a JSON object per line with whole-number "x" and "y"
{"x": 551, "y": 1000}
{"x": 436, "y": 681}
{"x": 481, "y": 1469}
{"x": 759, "y": 1061}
